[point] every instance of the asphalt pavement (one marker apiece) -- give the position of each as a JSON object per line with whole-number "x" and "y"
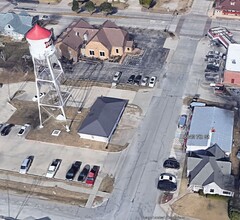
{"x": 135, "y": 195}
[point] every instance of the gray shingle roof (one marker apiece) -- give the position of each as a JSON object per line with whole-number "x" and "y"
{"x": 21, "y": 23}
{"x": 205, "y": 118}
{"x": 206, "y": 168}
{"x": 103, "y": 116}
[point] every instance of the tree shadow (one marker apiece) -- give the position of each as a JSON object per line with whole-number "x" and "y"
{"x": 114, "y": 11}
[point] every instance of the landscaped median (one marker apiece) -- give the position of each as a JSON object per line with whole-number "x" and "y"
{"x": 74, "y": 193}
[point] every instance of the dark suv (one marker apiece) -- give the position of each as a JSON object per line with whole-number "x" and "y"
{"x": 6, "y": 130}
{"x": 71, "y": 173}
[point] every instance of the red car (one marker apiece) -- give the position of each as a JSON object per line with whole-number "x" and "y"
{"x": 92, "y": 175}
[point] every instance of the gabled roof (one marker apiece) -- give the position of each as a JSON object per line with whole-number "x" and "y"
{"x": 103, "y": 116}
{"x": 228, "y": 5}
{"x": 73, "y": 36}
{"x": 213, "y": 151}
{"x": 110, "y": 35}
{"x": 20, "y": 22}
{"x": 213, "y": 166}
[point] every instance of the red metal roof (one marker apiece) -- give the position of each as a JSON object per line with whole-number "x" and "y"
{"x": 38, "y": 33}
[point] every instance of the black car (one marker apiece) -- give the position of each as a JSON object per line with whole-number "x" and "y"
{"x": 6, "y": 130}
{"x": 138, "y": 79}
{"x": 83, "y": 174}
{"x": 71, "y": 173}
{"x": 167, "y": 182}
{"x": 131, "y": 79}
{"x": 171, "y": 162}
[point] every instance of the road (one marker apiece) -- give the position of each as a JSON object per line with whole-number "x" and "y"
{"x": 135, "y": 194}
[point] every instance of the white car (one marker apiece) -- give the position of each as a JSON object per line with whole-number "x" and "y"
{"x": 26, "y": 165}
{"x": 53, "y": 168}
{"x": 144, "y": 81}
{"x": 35, "y": 98}
{"x": 152, "y": 81}
{"x": 167, "y": 182}
{"x": 23, "y": 129}
{"x": 117, "y": 76}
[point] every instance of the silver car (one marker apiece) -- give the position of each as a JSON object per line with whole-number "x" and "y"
{"x": 26, "y": 164}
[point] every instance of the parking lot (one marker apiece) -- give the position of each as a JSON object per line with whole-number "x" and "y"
{"x": 149, "y": 63}
{"x": 16, "y": 149}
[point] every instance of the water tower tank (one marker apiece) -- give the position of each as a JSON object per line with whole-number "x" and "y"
{"x": 40, "y": 42}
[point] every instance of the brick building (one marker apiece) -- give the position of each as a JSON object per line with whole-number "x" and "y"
{"x": 232, "y": 68}
{"x": 227, "y": 8}
{"x": 81, "y": 39}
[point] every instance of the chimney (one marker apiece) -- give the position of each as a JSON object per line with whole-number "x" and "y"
{"x": 211, "y": 135}
{"x": 85, "y": 37}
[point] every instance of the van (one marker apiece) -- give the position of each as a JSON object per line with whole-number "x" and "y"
{"x": 182, "y": 121}
{"x": 197, "y": 104}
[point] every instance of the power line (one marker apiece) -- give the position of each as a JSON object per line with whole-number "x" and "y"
{"x": 34, "y": 185}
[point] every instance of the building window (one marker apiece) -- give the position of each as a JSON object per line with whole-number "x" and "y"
{"x": 211, "y": 190}
{"x": 232, "y": 80}
{"x": 226, "y": 192}
{"x": 91, "y": 52}
{"x": 102, "y": 54}
{"x": 117, "y": 51}
{"x": 9, "y": 26}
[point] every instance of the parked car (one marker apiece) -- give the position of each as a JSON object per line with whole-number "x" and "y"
{"x": 41, "y": 95}
{"x": 152, "y": 81}
{"x": 144, "y": 81}
{"x": 167, "y": 182}
{"x": 6, "y": 130}
{"x": 53, "y": 168}
{"x": 197, "y": 104}
{"x": 171, "y": 162}
{"x": 92, "y": 175}
{"x": 23, "y": 129}
{"x": 44, "y": 17}
{"x": 131, "y": 79}
{"x": 137, "y": 79}
{"x": 117, "y": 76}
{"x": 71, "y": 173}
{"x": 182, "y": 121}
{"x": 26, "y": 164}
{"x": 84, "y": 173}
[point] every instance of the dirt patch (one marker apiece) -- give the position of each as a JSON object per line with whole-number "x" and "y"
{"x": 165, "y": 198}
{"x": 199, "y": 207}
{"x": 52, "y": 193}
{"x": 196, "y": 206}
{"x": 97, "y": 201}
{"x": 27, "y": 112}
{"x": 226, "y": 105}
{"x": 107, "y": 184}
{"x": 172, "y": 6}
{"x": 13, "y": 60}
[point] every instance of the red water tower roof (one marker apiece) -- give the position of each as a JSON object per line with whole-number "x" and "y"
{"x": 38, "y": 33}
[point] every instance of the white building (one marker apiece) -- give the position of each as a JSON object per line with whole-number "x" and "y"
{"x": 103, "y": 118}
{"x": 16, "y": 25}
{"x": 209, "y": 126}
{"x": 210, "y": 171}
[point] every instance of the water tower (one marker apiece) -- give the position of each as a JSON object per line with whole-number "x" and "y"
{"x": 48, "y": 74}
